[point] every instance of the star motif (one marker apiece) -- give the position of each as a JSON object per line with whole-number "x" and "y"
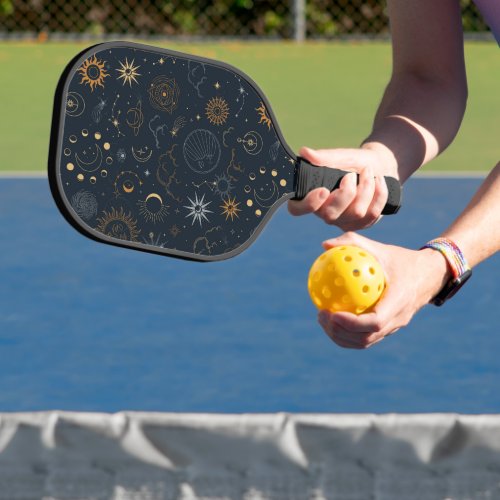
{"x": 217, "y": 85}
{"x": 198, "y": 209}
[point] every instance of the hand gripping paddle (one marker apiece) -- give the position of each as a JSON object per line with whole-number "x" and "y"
{"x": 171, "y": 153}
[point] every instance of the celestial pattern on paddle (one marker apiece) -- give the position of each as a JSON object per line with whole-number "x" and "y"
{"x": 168, "y": 151}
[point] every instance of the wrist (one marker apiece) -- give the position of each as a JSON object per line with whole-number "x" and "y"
{"x": 437, "y": 272}
{"x": 385, "y": 155}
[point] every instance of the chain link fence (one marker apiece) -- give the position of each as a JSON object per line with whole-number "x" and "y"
{"x": 207, "y": 18}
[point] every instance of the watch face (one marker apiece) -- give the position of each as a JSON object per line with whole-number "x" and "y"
{"x": 451, "y": 288}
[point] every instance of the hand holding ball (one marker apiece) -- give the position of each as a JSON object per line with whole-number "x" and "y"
{"x": 346, "y": 278}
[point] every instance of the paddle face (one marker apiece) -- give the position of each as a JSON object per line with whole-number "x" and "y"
{"x": 165, "y": 152}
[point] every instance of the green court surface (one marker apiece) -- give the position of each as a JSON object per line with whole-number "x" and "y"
{"x": 323, "y": 94}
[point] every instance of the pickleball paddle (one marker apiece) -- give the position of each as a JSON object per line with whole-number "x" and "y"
{"x": 171, "y": 153}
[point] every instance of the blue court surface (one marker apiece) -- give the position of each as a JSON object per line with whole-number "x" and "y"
{"x": 90, "y": 327}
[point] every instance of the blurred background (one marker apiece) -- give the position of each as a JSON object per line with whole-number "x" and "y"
{"x": 281, "y": 19}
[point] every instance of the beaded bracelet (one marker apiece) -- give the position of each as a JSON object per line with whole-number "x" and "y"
{"x": 460, "y": 269}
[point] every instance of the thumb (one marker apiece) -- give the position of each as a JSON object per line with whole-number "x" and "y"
{"x": 340, "y": 157}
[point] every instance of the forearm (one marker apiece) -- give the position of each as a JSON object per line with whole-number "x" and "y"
{"x": 416, "y": 120}
{"x": 477, "y": 230}
{"x": 424, "y": 103}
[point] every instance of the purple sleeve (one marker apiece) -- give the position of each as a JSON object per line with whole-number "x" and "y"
{"x": 490, "y": 9}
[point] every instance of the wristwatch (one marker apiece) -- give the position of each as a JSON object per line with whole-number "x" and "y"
{"x": 460, "y": 270}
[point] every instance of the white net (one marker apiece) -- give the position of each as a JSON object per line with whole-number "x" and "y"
{"x": 155, "y": 456}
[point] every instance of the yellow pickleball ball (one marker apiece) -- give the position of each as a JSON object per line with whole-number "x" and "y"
{"x": 346, "y": 278}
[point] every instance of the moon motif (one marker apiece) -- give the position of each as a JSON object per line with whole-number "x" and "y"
{"x": 93, "y": 165}
{"x": 267, "y": 202}
{"x": 140, "y": 155}
{"x": 154, "y": 195}
{"x": 126, "y": 183}
{"x": 128, "y": 187}
{"x": 75, "y": 105}
{"x": 252, "y": 142}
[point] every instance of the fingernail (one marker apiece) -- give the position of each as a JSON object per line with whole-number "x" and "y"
{"x": 324, "y": 194}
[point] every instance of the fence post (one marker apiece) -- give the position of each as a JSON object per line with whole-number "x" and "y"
{"x": 299, "y": 20}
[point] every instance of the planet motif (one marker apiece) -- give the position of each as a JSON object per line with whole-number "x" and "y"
{"x": 164, "y": 93}
{"x": 75, "y": 105}
{"x": 135, "y": 118}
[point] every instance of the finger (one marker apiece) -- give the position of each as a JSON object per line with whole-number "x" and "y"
{"x": 338, "y": 334}
{"x": 362, "y": 340}
{"x": 365, "y": 191}
{"x": 348, "y": 238}
{"x": 311, "y": 203}
{"x": 362, "y": 324}
{"x": 380, "y": 196}
{"x": 338, "y": 201}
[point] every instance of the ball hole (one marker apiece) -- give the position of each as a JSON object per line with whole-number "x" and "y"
{"x": 317, "y": 300}
{"x": 346, "y": 299}
{"x": 336, "y": 306}
{"x": 317, "y": 276}
{"x": 327, "y": 293}
{"x": 356, "y": 273}
{"x": 379, "y": 288}
{"x": 372, "y": 270}
{"x": 362, "y": 254}
{"x": 339, "y": 281}
{"x": 348, "y": 258}
{"x": 366, "y": 289}
{"x": 360, "y": 309}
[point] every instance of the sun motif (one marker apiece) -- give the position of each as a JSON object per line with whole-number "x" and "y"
{"x": 198, "y": 210}
{"x": 230, "y": 208}
{"x": 222, "y": 185}
{"x": 217, "y": 111}
{"x": 128, "y": 72}
{"x": 152, "y": 208}
{"x": 93, "y": 72}
{"x": 263, "y": 115}
{"x": 118, "y": 225}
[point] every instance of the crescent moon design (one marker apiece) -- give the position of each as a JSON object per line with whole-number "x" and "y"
{"x": 75, "y": 105}
{"x": 267, "y": 202}
{"x": 140, "y": 155}
{"x": 128, "y": 187}
{"x": 252, "y": 142}
{"x": 93, "y": 165}
{"x": 154, "y": 195}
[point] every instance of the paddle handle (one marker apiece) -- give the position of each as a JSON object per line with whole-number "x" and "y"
{"x": 309, "y": 177}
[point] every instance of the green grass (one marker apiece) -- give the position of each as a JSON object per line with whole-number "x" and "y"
{"x": 323, "y": 94}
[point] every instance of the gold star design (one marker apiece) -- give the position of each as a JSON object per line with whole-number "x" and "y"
{"x": 128, "y": 72}
{"x": 217, "y": 85}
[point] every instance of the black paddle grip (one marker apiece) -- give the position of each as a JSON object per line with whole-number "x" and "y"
{"x": 309, "y": 177}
